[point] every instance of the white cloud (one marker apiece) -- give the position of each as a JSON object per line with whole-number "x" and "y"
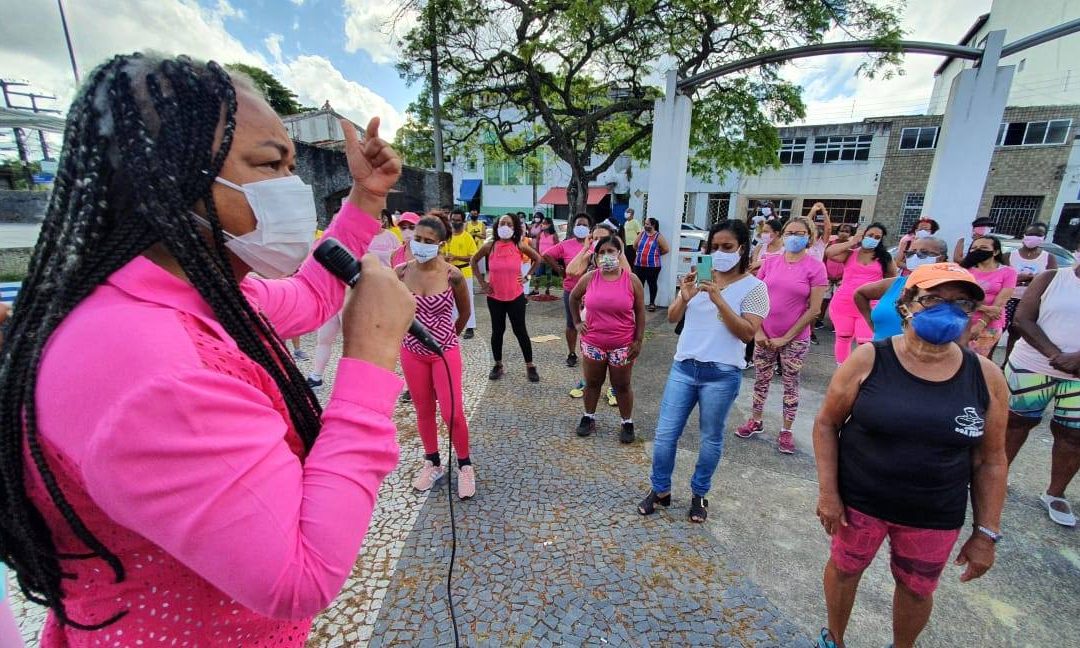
{"x": 298, "y": 3}
{"x": 32, "y": 48}
{"x": 296, "y": 23}
{"x": 315, "y": 80}
{"x": 376, "y": 28}
{"x": 833, "y": 93}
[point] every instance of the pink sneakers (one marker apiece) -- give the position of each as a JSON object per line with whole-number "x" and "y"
{"x": 428, "y": 475}
{"x": 466, "y": 482}
{"x": 749, "y": 429}
{"x": 785, "y": 442}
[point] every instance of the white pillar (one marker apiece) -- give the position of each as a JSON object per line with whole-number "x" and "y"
{"x": 667, "y": 176}
{"x": 966, "y": 143}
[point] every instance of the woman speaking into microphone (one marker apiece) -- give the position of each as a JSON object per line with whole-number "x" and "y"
{"x": 168, "y": 476}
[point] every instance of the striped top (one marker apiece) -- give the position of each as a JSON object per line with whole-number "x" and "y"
{"x": 436, "y": 313}
{"x": 648, "y": 251}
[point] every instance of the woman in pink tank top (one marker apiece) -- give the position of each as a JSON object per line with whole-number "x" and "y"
{"x": 865, "y": 260}
{"x": 611, "y": 333}
{"x": 503, "y": 284}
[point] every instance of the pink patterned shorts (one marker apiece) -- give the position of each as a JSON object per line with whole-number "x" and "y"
{"x": 615, "y": 358}
{"x": 918, "y": 556}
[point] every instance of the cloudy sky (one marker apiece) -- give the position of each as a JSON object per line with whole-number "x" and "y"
{"x": 339, "y": 50}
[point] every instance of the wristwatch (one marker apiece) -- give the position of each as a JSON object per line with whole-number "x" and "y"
{"x": 994, "y": 537}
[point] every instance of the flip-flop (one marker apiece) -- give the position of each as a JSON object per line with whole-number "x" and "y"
{"x": 1064, "y": 518}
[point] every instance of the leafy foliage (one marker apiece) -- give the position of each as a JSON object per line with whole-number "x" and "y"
{"x": 579, "y": 77}
{"x": 280, "y": 98}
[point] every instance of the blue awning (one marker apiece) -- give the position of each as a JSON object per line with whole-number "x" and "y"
{"x": 469, "y": 189}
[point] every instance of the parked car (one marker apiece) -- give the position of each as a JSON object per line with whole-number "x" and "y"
{"x": 1064, "y": 258}
{"x": 692, "y": 240}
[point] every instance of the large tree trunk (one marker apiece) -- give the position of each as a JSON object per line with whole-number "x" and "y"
{"x": 577, "y": 194}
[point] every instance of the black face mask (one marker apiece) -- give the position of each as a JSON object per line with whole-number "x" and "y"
{"x": 459, "y": 226}
{"x": 473, "y": 217}
{"x": 975, "y": 257}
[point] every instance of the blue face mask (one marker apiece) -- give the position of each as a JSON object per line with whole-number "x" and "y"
{"x": 796, "y": 244}
{"x": 870, "y": 243}
{"x": 940, "y": 324}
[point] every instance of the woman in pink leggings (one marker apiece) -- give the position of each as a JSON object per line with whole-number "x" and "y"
{"x": 438, "y": 287}
{"x": 865, "y": 260}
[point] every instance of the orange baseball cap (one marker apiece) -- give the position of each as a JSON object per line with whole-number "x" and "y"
{"x": 935, "y": 274}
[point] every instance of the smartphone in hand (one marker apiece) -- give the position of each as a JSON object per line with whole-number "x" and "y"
{"x": 704, "y": 268}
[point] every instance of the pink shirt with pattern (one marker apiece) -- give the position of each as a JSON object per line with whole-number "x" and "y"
{"x": 178, "y": 453}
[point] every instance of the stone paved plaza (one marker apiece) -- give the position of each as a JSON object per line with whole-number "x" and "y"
{"x": 552, "y": 553}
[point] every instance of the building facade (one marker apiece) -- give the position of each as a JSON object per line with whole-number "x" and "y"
{"x": 1031, "y": 162}
{"x": 1047, "y": 75}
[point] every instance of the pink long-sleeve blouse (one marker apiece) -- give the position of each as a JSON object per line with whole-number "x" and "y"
{"x": 177, "y": 451}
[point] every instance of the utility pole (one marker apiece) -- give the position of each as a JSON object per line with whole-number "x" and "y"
{"x": 67, "y": 37}
{"x": 436, "y": 109}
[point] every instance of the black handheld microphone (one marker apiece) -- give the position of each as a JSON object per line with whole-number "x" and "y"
{"x": 341, "y": 263}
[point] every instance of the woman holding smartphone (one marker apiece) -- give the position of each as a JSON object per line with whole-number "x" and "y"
{"x": 723, "y": 313}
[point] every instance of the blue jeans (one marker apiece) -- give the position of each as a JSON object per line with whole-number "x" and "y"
{"x": 713, "y": 387}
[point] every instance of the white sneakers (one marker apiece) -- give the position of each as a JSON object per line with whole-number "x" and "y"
{"x": 430, "y": 474}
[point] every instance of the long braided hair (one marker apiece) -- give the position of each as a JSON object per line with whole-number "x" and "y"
{"x": 138, "y": 155}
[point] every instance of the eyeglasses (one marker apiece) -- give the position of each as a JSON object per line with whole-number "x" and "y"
{"x": 922, "y": 254}
{"x": 931, "y": 300}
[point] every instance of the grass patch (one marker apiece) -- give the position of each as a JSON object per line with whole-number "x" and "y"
{"x": 12, "y": 276}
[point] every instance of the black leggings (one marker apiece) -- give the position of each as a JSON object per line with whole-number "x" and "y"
{"x": 499, "y": 310}
{"x": 648, "y": 276}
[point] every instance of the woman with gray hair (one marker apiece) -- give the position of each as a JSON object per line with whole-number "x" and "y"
{"x": 883, "y": 317}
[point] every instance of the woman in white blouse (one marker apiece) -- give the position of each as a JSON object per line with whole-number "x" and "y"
{"x": 723, "y": 312}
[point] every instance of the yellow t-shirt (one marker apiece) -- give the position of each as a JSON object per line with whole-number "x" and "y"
{"x": 632, "y": 228}
{"x": 462, "y": 245}
{"x": 397, "y": 232}
{"x": 475, "y": 229}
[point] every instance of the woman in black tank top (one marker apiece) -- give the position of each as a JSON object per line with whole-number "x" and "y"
{"x": 910, "y": 425}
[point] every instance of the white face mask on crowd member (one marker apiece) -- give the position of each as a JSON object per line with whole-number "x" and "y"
{"x": 505, "y": 232}
{"x": 724, "y": 261}
{"x": 285, "y": 222}
{"x": 424, "y": 252}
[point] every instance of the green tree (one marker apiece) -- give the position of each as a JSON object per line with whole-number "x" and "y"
{"x": 582, "y": 75}
{"x": 415, "y": 141}
{"x": 16, "y": 174}
{"x": 280, "y": 98}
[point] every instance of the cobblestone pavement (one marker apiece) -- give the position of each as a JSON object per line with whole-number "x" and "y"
{"x": 551, "y": 552}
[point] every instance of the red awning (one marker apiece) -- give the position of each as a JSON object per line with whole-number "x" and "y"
{"x": 557, "y": 196}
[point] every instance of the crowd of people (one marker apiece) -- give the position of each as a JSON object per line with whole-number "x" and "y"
{"x": 185, "y": 429}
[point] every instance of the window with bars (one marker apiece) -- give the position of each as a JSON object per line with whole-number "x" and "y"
{"x": 840, "y": 211}
{"x": 918, "y": 138}
{"x": 686, "y": 206}
{"x": 1055, "y": 131}
{"x": 792, "y": 150}
{"x": 1013, "y": 214}
{"x": 911, "y": 210}
{"x": 781, "y": 207}
{"x": 718, "y": 206}
{"x": 843, "y": 148}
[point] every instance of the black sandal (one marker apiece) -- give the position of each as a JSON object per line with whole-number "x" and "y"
{"x": 699, "y": 509}
{"x": 533, "y": 375}
{"x": 496, "y": 372}
{"x": 647, "y": 505}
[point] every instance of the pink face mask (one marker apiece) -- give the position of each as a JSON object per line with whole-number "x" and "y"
{"x": 1033, "y": 241}
{"x": 981, "y": 231}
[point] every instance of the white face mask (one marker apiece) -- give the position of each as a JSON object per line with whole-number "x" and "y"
{"x": 505, "y": 231}
{"x": 581, "y": 231}
{"x": 724, "y": 261}
{"x": 285, "y": 223}
{"x": 921, "y": 234}
{"x": 423, "y": 252}
{"x": 407, "y": 235}
{"x": 916, "y": 261}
